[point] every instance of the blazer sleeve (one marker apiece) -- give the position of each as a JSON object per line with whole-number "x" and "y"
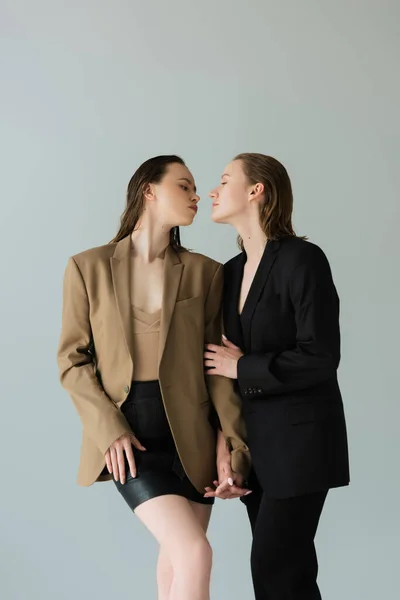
{"x": 101, "y": 419}
{"x": 226, "y": 402}
{"x": 316, "y": 355}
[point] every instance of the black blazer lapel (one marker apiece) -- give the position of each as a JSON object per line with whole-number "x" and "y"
{"x": 256, "y": 289}
{"x": 233, "y": 274}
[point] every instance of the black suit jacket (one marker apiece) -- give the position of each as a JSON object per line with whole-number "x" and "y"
{"x": 287, "y": 378}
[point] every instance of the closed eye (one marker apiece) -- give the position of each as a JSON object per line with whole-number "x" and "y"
{"x": 185, "y": 187}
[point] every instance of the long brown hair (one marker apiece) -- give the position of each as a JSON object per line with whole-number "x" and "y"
{"x": 276, "y": 210}
{"x": 151, "y": 171}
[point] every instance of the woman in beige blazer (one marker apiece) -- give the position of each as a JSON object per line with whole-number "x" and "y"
{"x": 137, "y": 313}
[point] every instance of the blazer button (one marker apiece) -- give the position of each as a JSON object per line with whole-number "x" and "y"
{"x": 250, "y": 390}
{"x": 259, "y": 390}
{"x": 126, "y": 389}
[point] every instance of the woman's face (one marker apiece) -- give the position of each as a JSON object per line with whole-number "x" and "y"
{"x": 174, "y": 198}
{"x": 231, "y": 197}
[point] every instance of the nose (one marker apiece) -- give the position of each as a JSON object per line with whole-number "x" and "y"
{"x": 196, "y": 198}
{"x": 213, "y": 194}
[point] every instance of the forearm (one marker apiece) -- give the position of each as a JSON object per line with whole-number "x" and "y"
{"x": 275, "y": 373}
{"x": 222, "y": 448}
{"x": 232, "y": 433}
{"x": 102, "y": 420}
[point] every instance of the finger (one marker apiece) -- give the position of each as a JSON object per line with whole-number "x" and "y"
{"x": 213, "y": 347}
{"x": 210, "y": 363}
{"x": 210, "y": 355}
{"x": 210, "y": 492}
{"x": 226, "y": 495}
{"x": 232, "y": 492}
{"x": 231, "y": 497}
{"x": 240, "y": 491}
{"x": 227, "y": 473}
{"x": 222, "y": 487}
{"x": 108, "y": 461}
{"x": 121, "y": 464}
{"x": 137, "y": 444}
{"x": 114, "y": 463}
{"x": 229, "y": 344}
{"x": 131, "y": 459}
{"x": 213, "y": 372}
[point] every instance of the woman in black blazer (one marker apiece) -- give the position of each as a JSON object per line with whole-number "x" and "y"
{"x": 281, "y": 317}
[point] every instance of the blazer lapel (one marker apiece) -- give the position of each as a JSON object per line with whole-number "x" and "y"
{"x": 256, "y": 289}
{"x": 121, "y": 277}
{"x": 233, "y": 275}
{"x": 172, "y": 277}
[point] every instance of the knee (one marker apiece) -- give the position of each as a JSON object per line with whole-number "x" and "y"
{"x": 194, "y": 558}
{"x": 266, "y": 561}
{"x": 164, "y": 567}
{"x": 201, "y": 554}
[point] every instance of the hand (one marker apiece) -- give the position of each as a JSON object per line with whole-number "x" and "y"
{"x": 229, "y": 486}
{"x": 222, "y": 360}
{"x": 115, "y": 459}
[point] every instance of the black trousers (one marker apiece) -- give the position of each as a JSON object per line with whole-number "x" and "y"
{"x": 283, "y": 559}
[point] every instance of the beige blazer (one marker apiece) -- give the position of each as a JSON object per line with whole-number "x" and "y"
{"x": 96, "y": 364}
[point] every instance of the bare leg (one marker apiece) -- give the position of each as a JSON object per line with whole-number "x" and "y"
{"x": 165, "y": 571}
{"x": 179, "y": 527}
{"x": 203, "y": 513}
{"x": 165, "y": 575}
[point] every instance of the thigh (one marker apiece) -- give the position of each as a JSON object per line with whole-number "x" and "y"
{"x": 287, "y": 524}
{"x": 252, "y": 503}
{"x": 202, "y": 513}
{"x": 172, "y": 521}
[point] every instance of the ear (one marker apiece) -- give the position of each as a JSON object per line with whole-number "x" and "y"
{"x": 257, "y": 191}
{"x": 149, "y": 192}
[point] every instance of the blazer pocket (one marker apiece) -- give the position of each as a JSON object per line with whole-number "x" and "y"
{"x": 188, "y": 302}
{"x": 308, "y": 412}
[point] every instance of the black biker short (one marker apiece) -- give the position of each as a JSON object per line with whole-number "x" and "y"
{"x": 159, "y": 470}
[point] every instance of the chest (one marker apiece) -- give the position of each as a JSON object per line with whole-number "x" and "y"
{"x": 258, "y": 311}
{"x": 146, "y": 286}
{"x": 249, "y": 273}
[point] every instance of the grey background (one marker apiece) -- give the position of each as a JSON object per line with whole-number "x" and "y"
{"x": 90, "y": 89}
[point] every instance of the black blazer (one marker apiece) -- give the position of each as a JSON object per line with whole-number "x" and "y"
{"x": 287, "y": 378}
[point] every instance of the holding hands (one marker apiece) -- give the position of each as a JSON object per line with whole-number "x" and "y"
{"x": 229, "y": 484}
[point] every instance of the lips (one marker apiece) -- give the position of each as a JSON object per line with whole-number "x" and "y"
{"x": 215, "y": 204}
{"x": 194, "y": 208}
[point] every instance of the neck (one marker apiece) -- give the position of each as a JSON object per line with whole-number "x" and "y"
{"x": 254, "y": 239}
{"x": 149, "y": 240}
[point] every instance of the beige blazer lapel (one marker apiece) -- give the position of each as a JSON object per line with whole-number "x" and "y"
{"x": 121, "y": 277}
{"x": 172, "y": 277}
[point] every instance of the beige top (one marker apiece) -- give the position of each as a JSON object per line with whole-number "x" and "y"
{"x": 146, "y": 333}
